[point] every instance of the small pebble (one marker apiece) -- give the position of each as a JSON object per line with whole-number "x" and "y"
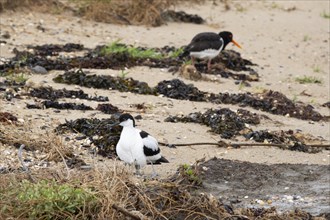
{"x": 289, "y": 197}
{"x": 39, "y": 70}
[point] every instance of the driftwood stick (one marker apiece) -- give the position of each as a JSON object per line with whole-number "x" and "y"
{"x": 25, "y": 168}
{"x": 224, "y": 144}
{"x": 125, "y": 212}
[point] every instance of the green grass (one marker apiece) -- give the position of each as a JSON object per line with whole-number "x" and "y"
{"x": 316, "y": 69}
{"x": 16, "y": 77}
{"x": 294, "y": 98}
{"x": 46, "y": 199}
{"x": 325, "y": 15}
{"x": 191, "y": 173}
{"x": 308, "y": 79}
{"x": 306, "y": 38}
{"x": 176, "y": 53}
{"x": 134, "y": 52}
{"x": 123, "y": 74}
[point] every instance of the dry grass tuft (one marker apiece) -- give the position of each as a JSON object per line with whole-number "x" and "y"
{"x": 112, "y": 193}
{"x": 52, "y": 6}
{"x": 35, "y": 139}
{"x": 128, "y": 12}
{"x": 140, "y": 12}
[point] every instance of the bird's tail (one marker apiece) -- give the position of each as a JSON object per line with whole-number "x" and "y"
{"x": 161, "y": 160}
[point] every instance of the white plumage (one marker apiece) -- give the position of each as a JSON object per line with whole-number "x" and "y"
{"x": 137, "y": 147}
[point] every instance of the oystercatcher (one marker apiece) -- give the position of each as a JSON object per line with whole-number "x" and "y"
{"x": 137, "y": 147}
{"x": 208, "y": 45}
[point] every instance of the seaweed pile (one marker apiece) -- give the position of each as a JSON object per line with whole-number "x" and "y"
{"x": 177, "y": 89}
{"x": 233, "y": 60}
{"x": 53, "y": 94}
{"x": 57, "y": 105}
{"x": 269, "y": 101}
{"x": 181, "y": 16}
{"x": 7, "y": 118}
{"x": 104, "y": 82}
{"x": 272, "y": 102}
{"x": 54, "y": 49}
{"x": 108, "y": 108}
{"x": 222, "y": 121}
{"x": 229, "y": 60}
{"x": 46, "y": 56}
{"x": 228, "y": 124}
{"x": 98, "y": 132}
{"x": 295, "y": 141}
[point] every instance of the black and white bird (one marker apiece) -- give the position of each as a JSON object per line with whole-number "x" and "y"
{"x": 137, "y": 147}
{"x": 208, "y": 45}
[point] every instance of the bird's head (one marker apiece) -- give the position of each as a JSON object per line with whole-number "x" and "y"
{"x": 126, "y": 120}
{"x": 228, "y": 38}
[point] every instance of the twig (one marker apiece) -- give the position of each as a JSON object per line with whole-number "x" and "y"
{"x": 125, "y": 212}
{"x": 63, "y": 159}
{"x": 25, "y": 168}
{"x": 237, "y": 145}
{"x": 237, "y": 216}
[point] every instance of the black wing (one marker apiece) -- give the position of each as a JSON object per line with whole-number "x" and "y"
{"x": 150, "y": 144}
{"x": 203, "y": 41}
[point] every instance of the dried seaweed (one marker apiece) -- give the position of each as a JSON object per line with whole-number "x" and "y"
{"x": 228, "y": 124}
{"x": 103, "y": 136}
{"x": 54, "y": 49}
{"x": 181, "y": 16}
{"x": 294, "y": 140}
{"x": 104, "y": 82}
{"x": 57, "y": 105}
{"x": 96, "y": 59}
{"x": 269, "y": 101}
{"x": 177, "y": 89}
{"x": 7, "y": 118}
{"x": 326, "y": 104}
{"x": 272, "y": 102}
{"x": 107, "y": 108}
{"x": 222, "y": 121}
{"x": 53, "y": 94}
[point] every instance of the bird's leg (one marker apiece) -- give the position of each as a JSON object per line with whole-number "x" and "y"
{"x": 193, "y": 61}
{"x": 137, "y": 167}
{"x": 209, "y": 65}
{"x": 154, "y": 174}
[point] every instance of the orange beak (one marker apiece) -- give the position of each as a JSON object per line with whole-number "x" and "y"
{"x": 237, "y": 45}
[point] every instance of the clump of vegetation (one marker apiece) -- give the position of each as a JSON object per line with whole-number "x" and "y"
{"x": 45, "y": 142}
{"x": 125, "y": 12}
{"x": 308, "y": 79}
{"x": 316, "y": 69}
{"x": 306, "y": 38}
{"x": 134, "y": 52}
{"x": 39, "y": 5}
{"x": 191, "y": 173}
{"x": 16, "y": 78}
{"x": 176, "y": 53}
{"x": 46, "y": 199}
{"x": 325, "y": 14}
